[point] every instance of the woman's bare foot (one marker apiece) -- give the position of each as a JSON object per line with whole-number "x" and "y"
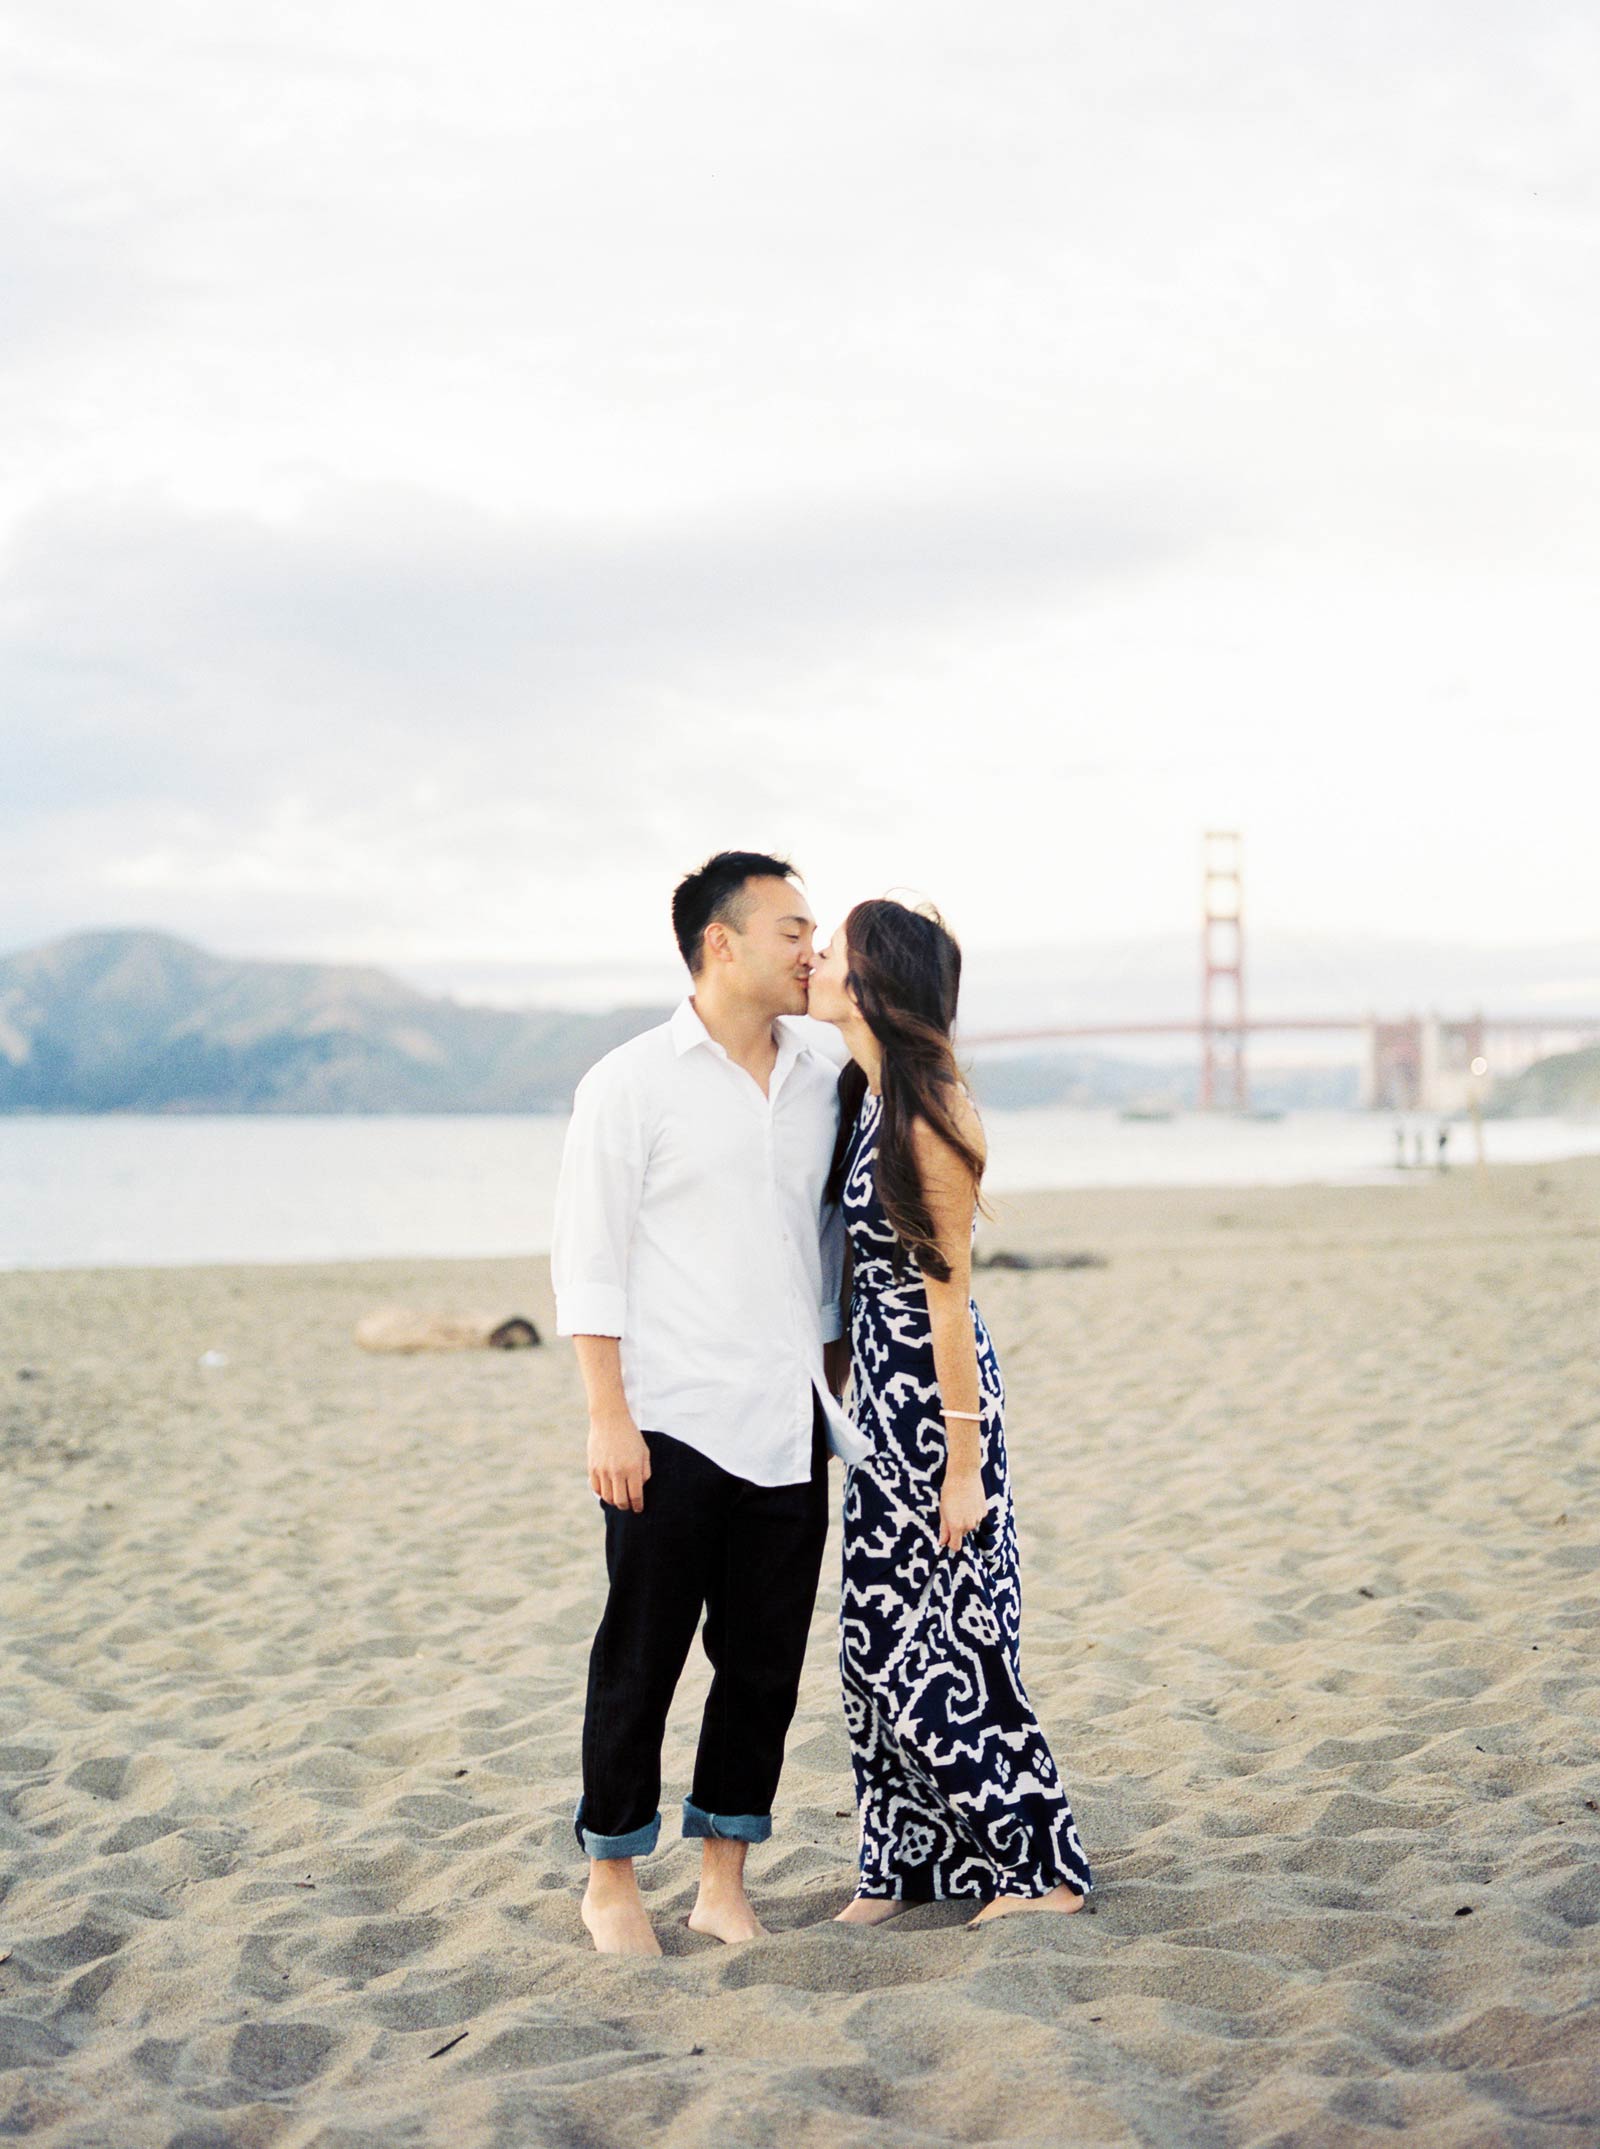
{"x": 1061, "y": 1898}
{"x": 870, "y": 1910}
{"x": 614, "y": 1912}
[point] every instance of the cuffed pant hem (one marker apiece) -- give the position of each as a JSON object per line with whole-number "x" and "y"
{"x": 637, "y": 1843}
{"x": 738, "y": 1827}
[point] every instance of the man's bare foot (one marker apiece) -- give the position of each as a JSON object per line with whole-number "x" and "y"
{"x": 727, "y": 1918}
{"x": 722, "y": 1910}
{"x": 870, "y": 1910}
{"x": 614, "y": 1912}
{"x": 1061, "y": 1898}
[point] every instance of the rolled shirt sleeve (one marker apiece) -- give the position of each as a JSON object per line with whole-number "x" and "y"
{"x": 597, "y": 1203}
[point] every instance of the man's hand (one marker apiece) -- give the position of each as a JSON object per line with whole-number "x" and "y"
{"x": 619, "y": 1462}
{"x": 619, "y": 1459}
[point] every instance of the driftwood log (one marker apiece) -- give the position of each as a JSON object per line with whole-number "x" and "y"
{"x": 403, "y": 1328}
{"x": 1002, "y": 1258}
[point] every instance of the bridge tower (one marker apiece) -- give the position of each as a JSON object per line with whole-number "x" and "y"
{"x": 1222, "y": 1030}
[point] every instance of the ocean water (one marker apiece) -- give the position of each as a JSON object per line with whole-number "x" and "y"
{"x": 115, "y": 1190}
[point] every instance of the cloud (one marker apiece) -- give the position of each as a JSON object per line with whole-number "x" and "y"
{"x": 380, "y": 712}
{"x": 68, "y": 278}
{"x": 192, "y": 657}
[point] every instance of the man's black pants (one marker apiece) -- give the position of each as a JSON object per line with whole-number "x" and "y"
{"x": 749, "y": 1557}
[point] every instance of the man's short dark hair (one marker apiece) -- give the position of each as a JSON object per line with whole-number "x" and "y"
{"x": 717, "y": 891}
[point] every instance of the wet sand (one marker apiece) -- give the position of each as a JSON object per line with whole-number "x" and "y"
{"x": 291, "y": 1665}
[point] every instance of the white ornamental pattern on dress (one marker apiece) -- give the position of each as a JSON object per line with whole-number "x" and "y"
{"x": 957, "y": 1793}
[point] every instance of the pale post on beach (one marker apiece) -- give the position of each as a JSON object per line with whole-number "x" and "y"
{"x": 1480, "y": 1067}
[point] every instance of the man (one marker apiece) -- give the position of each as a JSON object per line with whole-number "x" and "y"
{"x": 697, "y": 1269}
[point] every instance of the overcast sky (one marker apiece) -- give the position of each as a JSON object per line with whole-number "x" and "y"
{"x": 465, "y": 463}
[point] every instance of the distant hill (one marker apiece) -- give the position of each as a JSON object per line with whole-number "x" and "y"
{"x": 1564, "y": 1086}
{"x": 146, "y": 1022}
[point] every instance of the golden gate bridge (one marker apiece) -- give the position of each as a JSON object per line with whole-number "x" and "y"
{"x": 1409, "y": 1063}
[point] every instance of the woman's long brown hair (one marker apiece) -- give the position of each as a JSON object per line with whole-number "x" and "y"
{"x": 904, "y": 967}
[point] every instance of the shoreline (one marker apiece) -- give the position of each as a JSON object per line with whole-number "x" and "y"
{"x": 258, "y": 1193}
{"x": 1028, "y": 1211}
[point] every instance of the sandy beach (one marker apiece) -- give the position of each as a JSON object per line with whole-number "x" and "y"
{"x": 293, "y": 1657}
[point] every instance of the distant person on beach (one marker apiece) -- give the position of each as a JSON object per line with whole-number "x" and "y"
{"x": 1444, "y": 1147}
{"x": 957, "y": 1795}
{"x": 697, "y": 1267}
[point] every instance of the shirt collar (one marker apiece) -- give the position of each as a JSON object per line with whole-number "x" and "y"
{"x": 687, "y": 1031}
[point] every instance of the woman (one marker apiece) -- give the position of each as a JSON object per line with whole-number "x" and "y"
{"x": 955, "y": 1787}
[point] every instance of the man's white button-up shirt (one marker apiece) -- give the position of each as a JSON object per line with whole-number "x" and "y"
{"x": 690, "y": 1222}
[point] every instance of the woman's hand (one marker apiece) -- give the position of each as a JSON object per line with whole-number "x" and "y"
{"x": 962, "y": 1507}
{"x": 836, "y": 1366}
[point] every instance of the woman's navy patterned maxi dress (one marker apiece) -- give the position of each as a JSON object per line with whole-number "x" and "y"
{"x": 956, "y": 1790}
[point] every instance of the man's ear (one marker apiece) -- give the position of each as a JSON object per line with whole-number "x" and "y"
{"x": 715, "y": 941}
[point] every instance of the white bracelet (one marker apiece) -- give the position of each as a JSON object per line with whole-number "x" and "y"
{"x": 975, "y": 1415}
